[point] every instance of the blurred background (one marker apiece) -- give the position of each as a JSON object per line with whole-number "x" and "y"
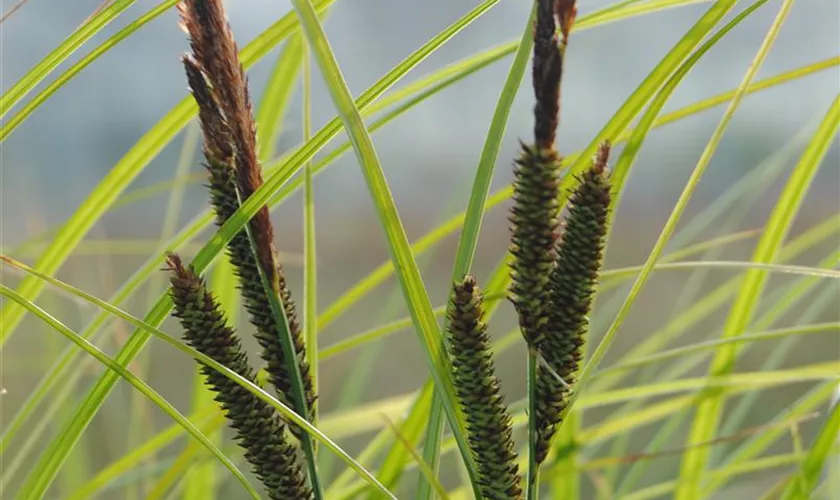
{"x": 53, "y": 160}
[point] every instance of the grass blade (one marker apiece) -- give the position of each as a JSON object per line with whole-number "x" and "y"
{"x": 384, "y": 271}
{"x": 149, "y": 329}
{"x": 37, "y": 74}
{"x": 401, "y": 255}
{"x": 801, "y": 485}
{"x": 209, "y": 251}
{"x": 472, "y": 218}
{"x": 708, "y": 413}
{"x": 36, "y": 490}
{"x": 68, "y": 47}
{"x": 755, "y": 445}
{"x": 714, "y": 344}
{"x": 277, "y": 94}
{"x": 692, "y": 183}
{"x": 310, "y": 264}
{"x": 126, "y": 169}
{"x": 287, "y": 346}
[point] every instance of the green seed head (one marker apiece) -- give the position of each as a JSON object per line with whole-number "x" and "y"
{"x": 572, "y": 287}
{"x": 259, "y": 431}
{"x": 535, "y": 229}
{"x": 488, "y": 423}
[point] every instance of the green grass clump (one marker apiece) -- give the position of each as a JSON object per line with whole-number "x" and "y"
{"x": 582, "y": 418}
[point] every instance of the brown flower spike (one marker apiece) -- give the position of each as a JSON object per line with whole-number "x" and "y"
{"x": 547, "y": 67}
{"x": 219, "y": 86}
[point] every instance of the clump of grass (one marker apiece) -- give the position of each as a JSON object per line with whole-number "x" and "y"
{"x": 489, "y": 428}
{"x": 552, "y": 285}
{"x": 219, "y": 86}
{"x": 259, "y": 430}
{"x": 553, "y": 296}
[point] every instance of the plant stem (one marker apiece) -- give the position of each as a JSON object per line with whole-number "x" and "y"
{"x": 310, "y": 282}
{"x": 533, "y": 482}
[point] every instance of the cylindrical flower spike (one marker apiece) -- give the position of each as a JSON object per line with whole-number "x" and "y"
{"x": 489, "y": 430}
{"x": 219, "y": 86}
{"x": 535, "y": 212}
{"x": 258, "y": 429}
{"x": 547, "y": 70}
{"x": 572, "y": 287}
{"x": 535, "y": 228}
{"x": 223, "y": 198}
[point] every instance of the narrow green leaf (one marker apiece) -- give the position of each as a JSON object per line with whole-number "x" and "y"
{"x": 708, "y": 413}
{"x": 412, "y": 428}
{"x": 401, "y": 255}
{"x": 728, "y": 212}
{"x": 287, "y": 346}
{"x": 36, "y": 490}
{"x": 472, "y": 218}
{"x": 691, "y": 184}
{"x": 68, "y": 47}
{"x": 714, "y": 344}
{"x": 127, "y": 169}
{"x": 129, "y": 461}
{"x": 384, "y": 271}
{"x": 149, "y": 329}
{"x": 204, "y": 256}
{"x": 310, "y": 262}
{"x": 802, "y": 485}
{"x": 762, "y": 464}
{"x": 277, "y": 95}
{"x": 757, "y": 444}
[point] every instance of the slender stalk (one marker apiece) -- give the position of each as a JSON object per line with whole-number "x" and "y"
{"x": 533, "y": 483}
{"x": 310, "y": 283}
{"x": 402, "y": 257}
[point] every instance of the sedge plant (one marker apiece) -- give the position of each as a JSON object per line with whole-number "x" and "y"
{"x": 562, "y": 206}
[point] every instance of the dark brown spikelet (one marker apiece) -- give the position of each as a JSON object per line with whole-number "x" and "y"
{"x": 535, "y": 228}
{"x": 215, "y": 52}
{"x": 488, "y": 421}
{"x": 572, "y": 288}
{"x": 219, "y": 86}
{"x": 547, "y": 67}
{"x": 258, "y": 429}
